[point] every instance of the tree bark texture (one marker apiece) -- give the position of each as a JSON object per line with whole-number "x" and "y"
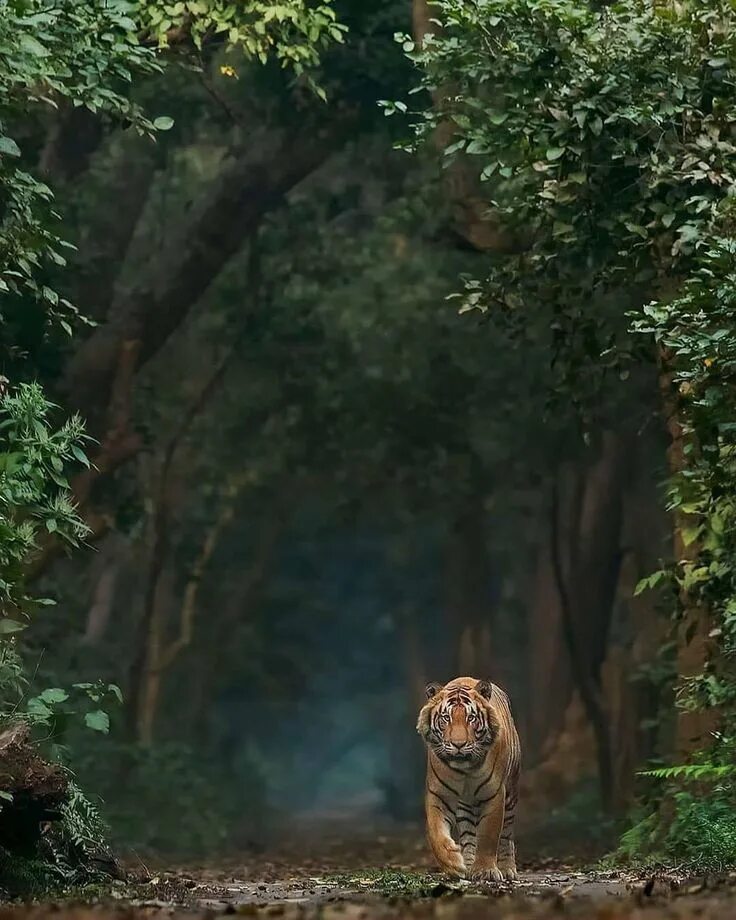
{"x": 468, "y": 583}
{"x": 585, "y": 537}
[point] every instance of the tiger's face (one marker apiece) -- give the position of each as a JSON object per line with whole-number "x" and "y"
{"x": 457, "y": 722}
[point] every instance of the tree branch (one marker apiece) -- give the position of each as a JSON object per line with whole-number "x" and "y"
{"x": 253, "y": 184}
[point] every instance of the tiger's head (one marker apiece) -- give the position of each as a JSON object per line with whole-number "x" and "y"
{"x": 458, "y": 722}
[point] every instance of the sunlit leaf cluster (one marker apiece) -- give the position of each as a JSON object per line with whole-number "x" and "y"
{"x": 293, "y": 32}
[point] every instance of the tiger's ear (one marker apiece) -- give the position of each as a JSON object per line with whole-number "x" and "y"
{"x": 485, "y": 688}
{"x": 432, "y": 689}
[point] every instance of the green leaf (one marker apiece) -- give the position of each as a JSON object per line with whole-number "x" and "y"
{"x": 98, "y": 720}
{"x": 80, "y": 455}
{"x": 163, "y": 123}
{"x": 8, "y": 626}
{"x": 637, "y": 229}
{"x": 8, "y": 147}
{"x": 31, "y": 45}
{"x": 554, "y": 153}
{"x": 37, "y": 707}
{"x": 54, "y": 695}
{"x": 690, "y": 534}
{"x": 454, "y": 148}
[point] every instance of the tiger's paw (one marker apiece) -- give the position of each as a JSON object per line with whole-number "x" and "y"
{"x": 486, "y": 873}
{"x": 508, "y": 871}
{"x": 450, "y": 858}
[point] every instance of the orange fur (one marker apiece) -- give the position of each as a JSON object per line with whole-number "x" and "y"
{"x": 473, "y": 763}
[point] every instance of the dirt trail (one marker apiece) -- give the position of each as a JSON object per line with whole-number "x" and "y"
{"x": 341, "y": 875}
{"x": 394, "y": 887}
{"x": 537, "y": 896}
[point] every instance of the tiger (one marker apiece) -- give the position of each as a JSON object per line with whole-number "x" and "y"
{"x": 473, "y": 766}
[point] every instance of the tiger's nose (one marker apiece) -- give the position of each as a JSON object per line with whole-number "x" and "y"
{"x": 459, "y": 745}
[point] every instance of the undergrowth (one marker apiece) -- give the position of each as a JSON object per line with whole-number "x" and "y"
{"x": 578, "y": 827}
{"x": 173, "y": 800}
{"x": 73, "y": 853}
{"x": 690, "y": 817}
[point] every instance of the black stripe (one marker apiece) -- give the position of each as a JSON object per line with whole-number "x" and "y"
{"x": 467, "y": 821}
{"x": 467, "y": 834}
{"x": 437, "y": 808}
{"x": 438, "y": 796}
{"x": 490, "y": 775}
{"x": 442, "y": 782}
{"x": 489, "y": 799}
{"x": 484, "y": 783}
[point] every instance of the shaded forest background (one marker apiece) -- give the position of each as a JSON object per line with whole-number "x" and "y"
{"x": 316, "y": 484}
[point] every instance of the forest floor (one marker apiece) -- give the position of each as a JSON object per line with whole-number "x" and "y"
{"x": 361, "y": 876}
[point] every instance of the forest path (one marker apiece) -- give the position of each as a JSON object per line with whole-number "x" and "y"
{"x": 372, "y": 887}
{"x": 537, "y": 896}
{"x": 351, "y": 874}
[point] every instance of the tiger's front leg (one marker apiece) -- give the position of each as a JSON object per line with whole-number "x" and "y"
{"x": 446, "y": 851}
{"x": 485, "y": 868}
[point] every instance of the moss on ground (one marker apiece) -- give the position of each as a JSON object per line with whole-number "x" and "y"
{"x": 397, "y": 883}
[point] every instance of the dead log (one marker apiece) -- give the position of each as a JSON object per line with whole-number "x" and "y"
{"x": 38, "y": 790}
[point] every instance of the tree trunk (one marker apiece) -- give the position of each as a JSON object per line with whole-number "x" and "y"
{"x": 468, "y": 581}
{"x": 157, "y": 654}
{"x": 146, "y": 692}
{"x": 414, "y": 658}
{"x": 586, "y": 552}
{"x": 254, "y": 183}
{"x": 241, "y": 604}
{"x": 549, "y": 660}
{"x": 74, "y": 135}
{"x": 106, "y": 238}
{"x": 103, "y": 598}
